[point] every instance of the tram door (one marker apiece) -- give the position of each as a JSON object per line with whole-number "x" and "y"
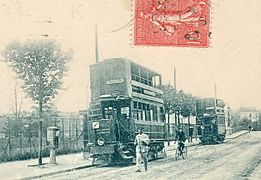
{"x": 124, "y": 121}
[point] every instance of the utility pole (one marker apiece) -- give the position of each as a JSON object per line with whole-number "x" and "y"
{"x": 96, "y": 44}
{"x": 215, "y": 86}
{"x": 175, "y": 88}
{"x": 168, "y": 125}
{"x": 215, "y": 104}
{"x": 175, "y": 79}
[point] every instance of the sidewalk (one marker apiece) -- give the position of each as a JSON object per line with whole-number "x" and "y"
{"x": 237, "y": 134}
{"x": 26, "y": 169}
{"x": 21, "y": 170}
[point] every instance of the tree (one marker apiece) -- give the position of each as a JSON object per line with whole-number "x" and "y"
{"x": 16, "y": 112}
{"x": 50, "y": 116}
{"x": 178, "y": 102}
{"x": 8, "y": 135}
{"x": 41, "y": 66}
{"x": 168, "y": 98}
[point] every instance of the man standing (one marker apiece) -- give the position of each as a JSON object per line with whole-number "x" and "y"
{"x": 191, "y": 130}
{"x": 141, "y": 142}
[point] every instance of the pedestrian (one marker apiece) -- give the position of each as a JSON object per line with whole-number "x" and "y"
{"x": 141, "y": 142}
{"x": 249, "y": 128}
{"x": 191, "y": 130}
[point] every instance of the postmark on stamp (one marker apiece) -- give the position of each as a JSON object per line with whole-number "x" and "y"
{"x": 182, "y": 23}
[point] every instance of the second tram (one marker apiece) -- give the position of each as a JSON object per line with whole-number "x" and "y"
{"x": 211, "y": 120}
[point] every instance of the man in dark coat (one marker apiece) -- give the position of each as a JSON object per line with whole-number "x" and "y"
{"x": 180, "y": 137}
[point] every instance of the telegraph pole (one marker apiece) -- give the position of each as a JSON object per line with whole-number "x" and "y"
{"x": 215, "y": 104}
{"x": 96, "y": 44}
{"x": 215, "y": 86}
{"x": 168, "y": 125}
{"x": 175, "y": 87}
{"x": 175, "y": 79}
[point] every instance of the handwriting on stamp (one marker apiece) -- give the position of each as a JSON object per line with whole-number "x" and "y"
{"x": 171, "y": 23}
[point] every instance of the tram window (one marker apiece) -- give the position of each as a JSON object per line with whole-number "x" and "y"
{"x": 107, "y": 109}
{"x": 125, "y": 111}
{"x": 135, "y": 77}
{"x": 135, "y": 114}
{"x": 148, "y": 112}
{"x": 143, "y": 115}
{"x": 135, "y": 104}
{"x": 108, "y": 113}
{"x": 161, "y": 114}
{"x": 139, "y": 105}
{"x": 150, "y": 78}
{"x": 151, "y": 115}
{"x": 144, "y": 112}
{"x": 140, "y": 115}
{"x": 150, "y": 83}
{"x": 136, "y": 89}
{"x": 155, "y": 113}
{"x": 156, "y": 81}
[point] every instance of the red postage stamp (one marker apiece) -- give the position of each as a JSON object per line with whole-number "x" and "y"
{"x": 182, "y": 23}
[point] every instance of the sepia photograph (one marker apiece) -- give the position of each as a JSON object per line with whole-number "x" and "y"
{"x": 130, "y": 89}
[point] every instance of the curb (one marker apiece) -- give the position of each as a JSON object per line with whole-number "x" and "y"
{"x": 58, "y": 172}
{"x": 237, "y": 135}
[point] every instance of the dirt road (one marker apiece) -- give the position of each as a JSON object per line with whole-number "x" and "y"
{"x": 235, "y": 159}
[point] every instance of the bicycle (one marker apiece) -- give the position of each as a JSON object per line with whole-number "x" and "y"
{"x": 181, "y": 152}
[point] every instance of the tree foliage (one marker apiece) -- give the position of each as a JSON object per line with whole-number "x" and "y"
{"x": 40, "y": 65}
{"x": 178, "y": 101}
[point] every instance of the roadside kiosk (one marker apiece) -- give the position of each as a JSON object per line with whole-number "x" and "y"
{"x": 53, "y": 142}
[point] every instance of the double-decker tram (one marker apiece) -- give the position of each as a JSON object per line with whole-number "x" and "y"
{"x": 211, "y": 120}
{"x": 124, "y": 97}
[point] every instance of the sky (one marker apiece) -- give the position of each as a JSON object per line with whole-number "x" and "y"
{"x": 232, "y": 61}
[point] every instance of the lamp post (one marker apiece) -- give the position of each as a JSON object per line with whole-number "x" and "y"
{"x": 168, "y": 126}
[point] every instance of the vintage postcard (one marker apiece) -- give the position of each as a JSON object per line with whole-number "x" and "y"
{"x": 130, "y": 89}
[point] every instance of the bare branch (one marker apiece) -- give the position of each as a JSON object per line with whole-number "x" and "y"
{"x": 12, "y": 109}
{"x": 20, "y": 107}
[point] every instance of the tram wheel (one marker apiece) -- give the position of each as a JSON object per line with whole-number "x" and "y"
{"x": 102, "y": 160}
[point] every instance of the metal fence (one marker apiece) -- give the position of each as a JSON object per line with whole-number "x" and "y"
{"x": 24, "y": 145}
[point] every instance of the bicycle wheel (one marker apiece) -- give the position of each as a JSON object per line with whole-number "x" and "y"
{"x": 185, "y": 152}
{"x": 177, "y": 154}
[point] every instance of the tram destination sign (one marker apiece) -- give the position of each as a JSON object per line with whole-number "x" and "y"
{"x": 114, "y": 81}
